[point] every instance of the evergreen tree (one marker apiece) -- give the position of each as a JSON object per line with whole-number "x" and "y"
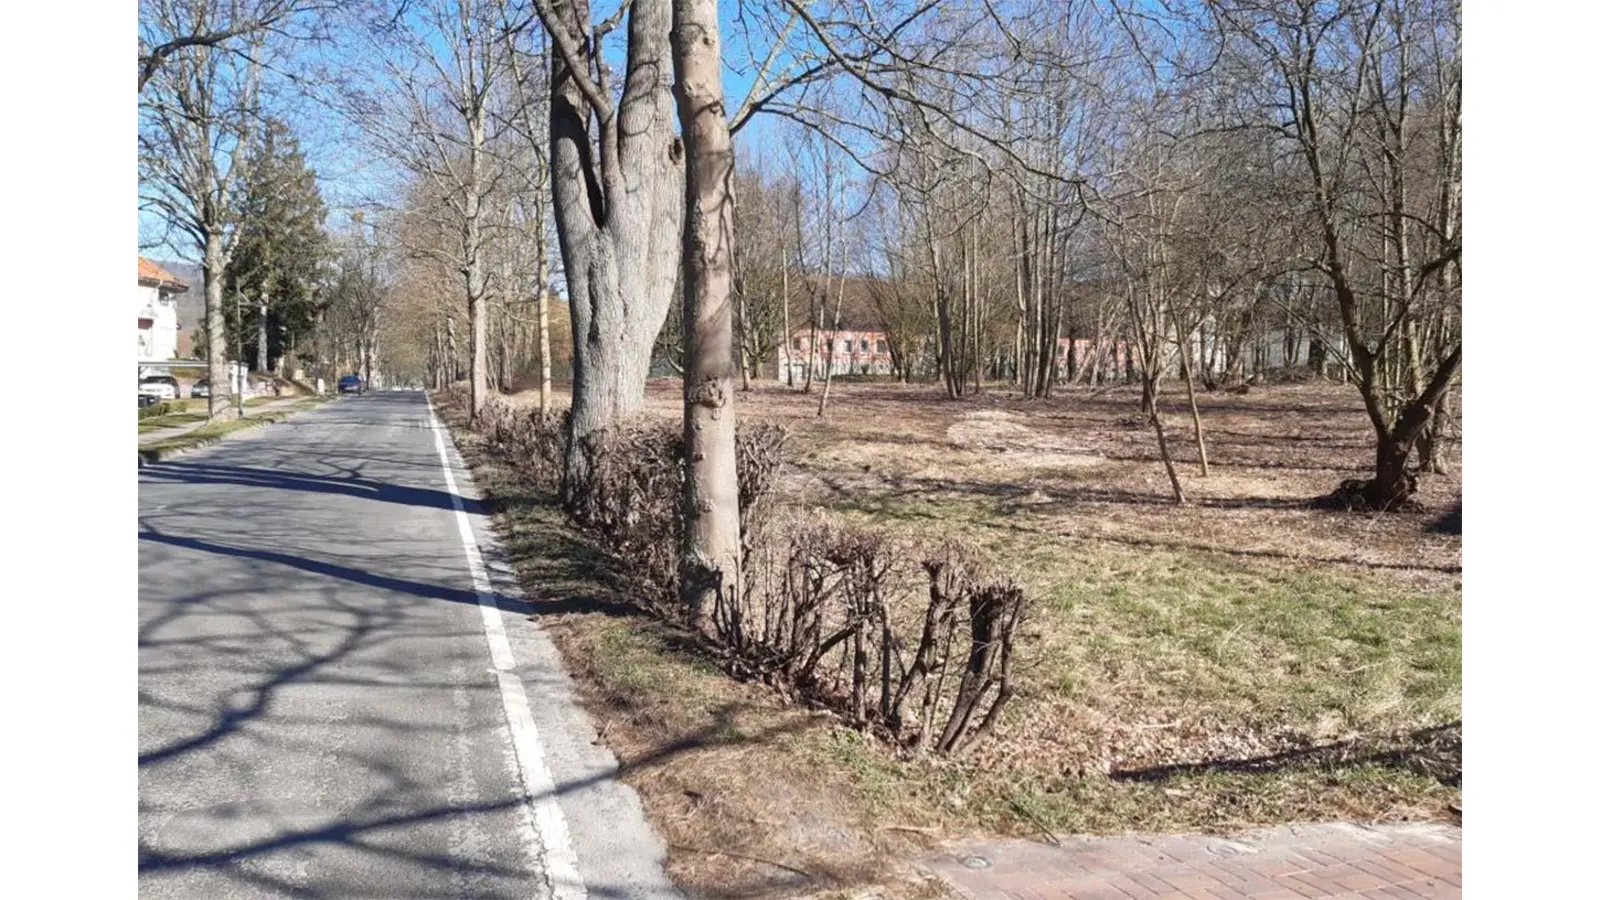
{"x": 281, "y": 255}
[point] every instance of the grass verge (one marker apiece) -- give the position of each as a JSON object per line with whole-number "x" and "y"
{"x": 156, "y": 451}
{"x": 1169, "y": 689}
{"x": 171, "y": 420}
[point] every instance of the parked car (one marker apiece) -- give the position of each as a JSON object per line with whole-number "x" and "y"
{"x": 201, "y": 388}
{"x": 147, "y": 399}
{"x": 164, "y": 387}
{"x": 350, "y": 384}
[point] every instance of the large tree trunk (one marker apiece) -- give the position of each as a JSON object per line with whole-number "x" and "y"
{"x": 709, "y": 566}
{"x": 544, "y": 330}
{"x": 1393, "y": 483}
{"x": 1187, "y": 372}
{"x": 827, "y": 378}
{"x": 452, "y": 358}
{"x": 261, "y": 337}
{"x": 788, "y": 335}
{"x": 1430, "y": 444}
{"x": 216, "y": 332}
{"x": 472, "y": 248}
{"x": 619, "y": 223}
{"x": 744, "y": 320}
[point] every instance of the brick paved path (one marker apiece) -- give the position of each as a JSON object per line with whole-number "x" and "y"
{"x": 1399, "y": 862}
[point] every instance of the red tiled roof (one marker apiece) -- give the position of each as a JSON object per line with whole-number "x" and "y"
{"x": 150, "y": 273}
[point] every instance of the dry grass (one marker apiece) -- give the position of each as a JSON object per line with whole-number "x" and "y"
{"x": 156, "y": 451}
{"x": 1241, "y": 661}
{"x": 749, "y": 795}
{"x": 172, "y": 420}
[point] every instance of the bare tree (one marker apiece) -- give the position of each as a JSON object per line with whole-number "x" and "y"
{"x": 1353, "y": 81}
{"x": 530, "y": 118}
{"x": 710, "y": 562}
{"x": 197, "y": 124}
{"x": 425, "y": 95}
{"x": 761, "y": 268}
{"x": 617, "y": 183}
{"x": 356, "y": 299}
{"x": 228, "y": 20}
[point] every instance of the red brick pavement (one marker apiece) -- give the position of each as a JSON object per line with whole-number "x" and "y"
{"x": 1338, "y": 860}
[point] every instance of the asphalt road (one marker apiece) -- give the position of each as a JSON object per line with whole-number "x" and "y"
{"x": 325, "y": 708}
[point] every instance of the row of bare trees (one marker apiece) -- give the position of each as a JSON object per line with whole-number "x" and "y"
{"x": 1180, "y": 190}
{"x": 1099, "y": 191}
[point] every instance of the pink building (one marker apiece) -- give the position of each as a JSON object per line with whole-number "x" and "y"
{"x": 846, "y": 352}
{"x": 1113, "y": 354}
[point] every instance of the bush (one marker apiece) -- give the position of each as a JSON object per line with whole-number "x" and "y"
{"x": 163, "y": 408}
{"x": 918, "y": 648}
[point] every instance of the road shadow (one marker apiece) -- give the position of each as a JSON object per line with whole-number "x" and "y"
{"x": 421, "y": 589}
{"x": 335, "y": 640}
{"x": 348, "y": 484}
{"x": 259, "y": 638}
{"x": 359, "y": 829}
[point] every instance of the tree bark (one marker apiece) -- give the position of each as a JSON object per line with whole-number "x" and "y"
{"x": 472, "y": 240}
{"x": 788, "y": 335}
{"x": 709, "y": 566}
{"x": 1187, "y": 371}
{"x": 827, "y": 378}
{"x": 216, "y": 332}
{"x": 261, "y": 337}
{"x": 618, "y": 219}
{"x": 544, "y": 330}
{"x": 1178, "y": 496}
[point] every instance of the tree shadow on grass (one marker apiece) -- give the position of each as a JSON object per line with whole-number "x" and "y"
{"x": 1449, "y": 523}
{"x": 1432, "y": 752}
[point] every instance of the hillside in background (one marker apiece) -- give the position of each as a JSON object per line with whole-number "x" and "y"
{"x": 191, "y": 303}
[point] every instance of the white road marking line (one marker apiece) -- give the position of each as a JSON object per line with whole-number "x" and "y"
{"x": 548, "y": 835}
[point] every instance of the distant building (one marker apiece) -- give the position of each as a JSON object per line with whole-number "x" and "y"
{"x": 191, "y": 304}
{"x": 158, "y": 312}
{"x": 859, "y": 345}
{"x": 847, "y": 352}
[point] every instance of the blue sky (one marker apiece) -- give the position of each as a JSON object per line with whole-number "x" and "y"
{"x": 349, "y": 174}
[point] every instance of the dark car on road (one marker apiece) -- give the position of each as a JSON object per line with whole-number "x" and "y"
{"x": 350, "y": 384}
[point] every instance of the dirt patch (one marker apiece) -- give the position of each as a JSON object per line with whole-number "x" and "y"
{"x": 1003, "y": 433}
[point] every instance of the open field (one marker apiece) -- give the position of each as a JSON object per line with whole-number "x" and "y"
{"x": 1246, "y": 660}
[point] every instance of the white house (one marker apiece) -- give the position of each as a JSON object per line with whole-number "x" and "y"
{"x": 158, "y": 312}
